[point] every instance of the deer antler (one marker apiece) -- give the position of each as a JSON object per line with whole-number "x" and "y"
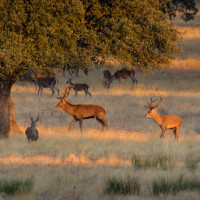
{"x": 31, "y": 117}
{"x": 38, "y": 117}
{"x": 161, "y": 100}
{"x": 149, "y": 105}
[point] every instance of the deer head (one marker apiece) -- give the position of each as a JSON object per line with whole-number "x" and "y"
{"x": 153, "y": 109}
{"x": 64, "y": 99}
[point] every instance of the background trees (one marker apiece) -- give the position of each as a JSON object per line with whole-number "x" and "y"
{"x": 48, "y": 34}
{"x": 186, "y": 8}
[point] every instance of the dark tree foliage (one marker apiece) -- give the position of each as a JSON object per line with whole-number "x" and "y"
{"x": 187, "y": 8}
{"x": 46, "y": 34}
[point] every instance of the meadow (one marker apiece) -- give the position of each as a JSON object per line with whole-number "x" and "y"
{"x": 128, "y": 160}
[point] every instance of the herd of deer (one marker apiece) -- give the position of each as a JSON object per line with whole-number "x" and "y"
{"x": 86, "y": 111}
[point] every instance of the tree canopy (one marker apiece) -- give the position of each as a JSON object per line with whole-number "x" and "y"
{"x": 45, "y": 34}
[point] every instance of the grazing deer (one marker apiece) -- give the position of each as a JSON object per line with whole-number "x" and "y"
{"x": 81, "y": 111}
{"x": 165, "y": 122}
{"x": 79, "y": 87}
{"x": 68, "y": 69}
{"x": 123, "y": 74}
{"x": 46, "y": 82}
{"x": 106, "y": 77}
{"x": 31, "y": 132}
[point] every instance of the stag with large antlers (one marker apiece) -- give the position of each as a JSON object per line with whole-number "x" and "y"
{"x": 81, "y": 111}
{"x": 165, "y": 122}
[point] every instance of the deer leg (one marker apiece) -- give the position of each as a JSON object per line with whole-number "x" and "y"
{"x": 176, "y": 133}
{"x": 72, "y": 122}
{"x": 41, "y": 89}
{"x": 163, "y": 133}
{"x": 76, "y": 92}
{"x": 81, "y": 123}
{"x": 57, "y": 90}
{"x": 88, "y": 92}
{"x": 101, "y": 118}
{"x": 52, "y": 91}
{"x": 101, "y": 122}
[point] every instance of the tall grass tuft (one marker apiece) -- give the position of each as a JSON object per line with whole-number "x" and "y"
{"x": 164, "y": 186}
{"x": 116, "y": 186}
{"x": 13, "y": 186}
{"x": 160, "y": 161}
{"x": 192, "y": 163}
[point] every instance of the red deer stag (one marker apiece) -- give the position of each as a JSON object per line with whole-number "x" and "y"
{"x": 81, "y": 111}
{"x": 165, "y": 122}
{"x": 123, "y": 74}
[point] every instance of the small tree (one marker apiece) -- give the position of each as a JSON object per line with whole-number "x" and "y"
{"x": 43, "y": 35}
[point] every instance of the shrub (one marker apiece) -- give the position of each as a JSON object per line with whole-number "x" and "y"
{"x": 160, "y": 161}
{"x": 192, "y": 163}
{"x": 14, "y": 186}
{"x": 122, "y": 187}
{"x": 165, "y": 186}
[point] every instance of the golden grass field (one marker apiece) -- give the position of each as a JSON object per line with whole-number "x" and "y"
{"x": 73, "y": 166}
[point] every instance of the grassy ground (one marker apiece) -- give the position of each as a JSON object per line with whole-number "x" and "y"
{"x": 75, "y": 166}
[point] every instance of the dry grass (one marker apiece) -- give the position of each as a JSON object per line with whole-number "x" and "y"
{"x": 71, "y": 165}
{"x": 75, "y": 166}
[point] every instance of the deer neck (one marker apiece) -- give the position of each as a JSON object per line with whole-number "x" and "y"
{"x": 69, "y": 108}
{"x": 157, "y": 118}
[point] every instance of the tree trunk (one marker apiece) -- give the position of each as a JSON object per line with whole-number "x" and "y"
{"x": 5, "y": 88}
{"x": 14, "y": 127}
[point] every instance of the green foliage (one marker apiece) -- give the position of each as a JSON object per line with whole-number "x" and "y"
{"x": 13, "y": 186}
{"x": 192, "y": 163}
{"x": 115, "y": 186}
{"x": 133, "y": 35}
{"x": 44, "y": 35}
{"x": 160, "y": 161}
{"x": 165, "y": 186}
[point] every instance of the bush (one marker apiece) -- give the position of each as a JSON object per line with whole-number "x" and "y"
{"x": 192, "y": 163}
{"x": 160, "y": 161}
{"x": 14, "y": 186}
{"x": 165, "y": 186}
{"x": 120, "y": 187}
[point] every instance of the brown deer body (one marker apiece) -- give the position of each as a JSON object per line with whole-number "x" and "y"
{"x": 82, "y": 111}
{"x": 46, "y": 82}
{"x": 123, "y": 74}
{"x": 79, "y": 87}
{"x": 165, "y": 122}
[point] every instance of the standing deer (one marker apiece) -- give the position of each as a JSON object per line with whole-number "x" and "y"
{"x": 165, "y": 122}
{"x": 31, "y": 132}
{"x": 81, "y": 111}
{"x": 106, "y": 77}
{"x": 79, "y": 87}
{"x": 46, "y": 82}
{"x": 123, "y": 74}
